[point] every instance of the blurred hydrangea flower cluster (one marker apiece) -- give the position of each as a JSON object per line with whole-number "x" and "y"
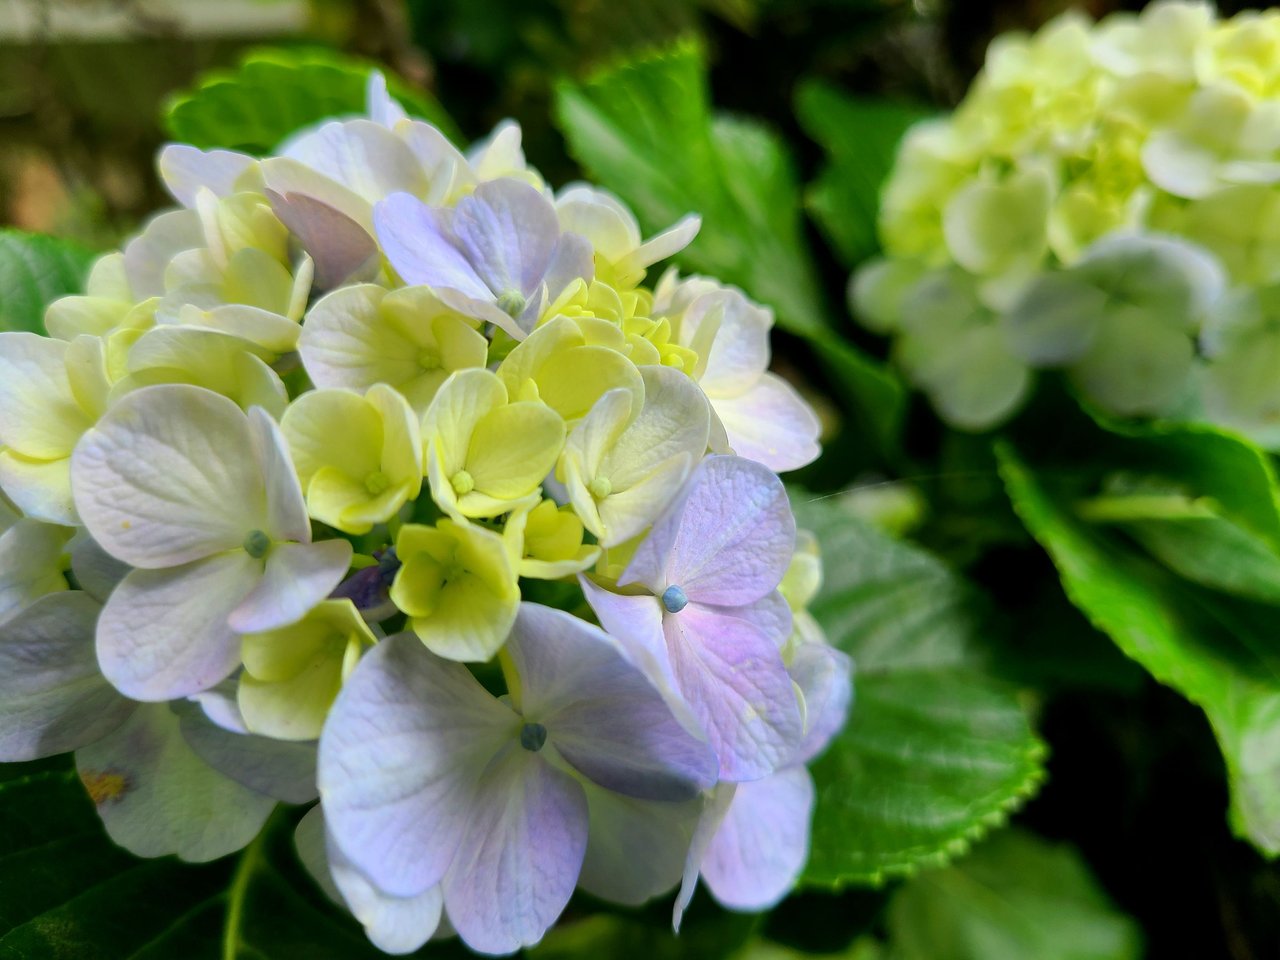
{"x": 1105, "y": 201}
{"x": 279, "y": 488}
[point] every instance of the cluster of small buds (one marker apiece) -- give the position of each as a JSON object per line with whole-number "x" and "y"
{"x": 277, "y": 486}
{"x": 1105, "y": 201}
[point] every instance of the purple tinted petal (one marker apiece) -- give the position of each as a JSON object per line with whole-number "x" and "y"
{"x": 163, "y": 634}
{"x": 756, "y": 856}
{"x": 734, "y": 680}
{"x": 276, "y": 768}
{"x": 509, "y": 232}
{"x": 601, "y": 713}
{"x": 714, "y": 811}
{"x": 771, "y": 423}
{"x": 636, "y": 848}
{"x": 395, "y": 925}
{"x": 727, "y": 540}
{"x": 400, "y": 755}
{"x": 825, "y": 677}
{"x": 185, "y": 169}
{"x": 343, "y": 252}
{"x": 635, "y": 622}
{"x": 770, "y": 613}
{"x": 417, "y": 240}
{"x": 574, "y": 259}
{"x": 297, "y": 577}
{"x": 52, "y": 696}
{"x": 520, "y": 854}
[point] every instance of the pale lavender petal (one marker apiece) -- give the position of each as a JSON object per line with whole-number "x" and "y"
{"x": 574, "y": 259}
{"x": 770, "y": 613}
{"x": 762, "y": 844}
{"x": 97, "y": 572}
{"x": 342, "y": 250}
{"x": 185, "y": 169}
{"x": 520, "y": 855}
{"x": 636, "y": 848}
{"x": 732, "y": 675}
{"x": 395, "y": 925}
{"x": 825, "y": 677}
{"x": 52, "y": 696}
{"x": 310, "y": 840}
{"x": 147, "y": 255}
{"x": 508, "y": 231}
{"x": 771, "y": 424}
{"x": 381, "y": 107}
{"x": 727, "y": 540}
{"x": 714, "y": 811}
{"x": 601, "y": 713}
{"x": 635, "y": 622}
{"x": 277, "y": 768}
{"x": 163, "y": 633}
{"x": 156, "y": 797}
{"x": 221, "y": 705}
{"x": 418, "y": 242}
{"x": 400, "y": 756}
{"x": 286, "y": 509}
{"x": 297, "y": 577}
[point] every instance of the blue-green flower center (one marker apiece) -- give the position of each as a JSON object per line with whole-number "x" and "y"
{"x": 533, "y": 736}
{"x": 256, "y": 544}
{"x": 674, "y": 599}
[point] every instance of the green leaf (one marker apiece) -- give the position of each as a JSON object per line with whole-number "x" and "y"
{"x": 274, "y": 93}
{"x": 861, "y": 138}
{"x": 1015, "y": 897}
{"x": 68, "y": 893}
{"x": 34, "y": 271}
{"x": 1217, "y": 651}
{"x": 936, "y": 751}
{"x": 644, "y": 128}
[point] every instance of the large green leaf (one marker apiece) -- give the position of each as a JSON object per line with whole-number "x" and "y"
{"x": 644, "y": 128}
{"x": 34, "y": 270}
{"x": 68, "y": 893}
{"x": 861, "y": 139}
{"x": 274, "y": 93}
{"x": 1015, "y": 897}
{"x": 936, "y": 751}
{"x": 1218, "y": 651}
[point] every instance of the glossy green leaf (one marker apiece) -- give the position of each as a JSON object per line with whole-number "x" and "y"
{"x": 1219, "y": 652}
{"x": 937, "y": 751}
{"x": 1015, "y": 897}
{"x": 861, "y": 139}
{"x": 644, "y": 129}
{"x": 34, "y": 271}
{"x": 274, "y": 93}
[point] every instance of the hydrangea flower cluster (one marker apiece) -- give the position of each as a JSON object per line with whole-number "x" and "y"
{"x": 277, "y": 490}
{"x": 1105, "y": 201}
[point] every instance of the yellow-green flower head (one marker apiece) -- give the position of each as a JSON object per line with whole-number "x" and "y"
{"x": 458, "y": 586}
{"x": 51, "y": 392}
{"x": 222, "y": 362}
{"x": 293, "y": 674}
{"x": 108, "y": 304}
{"x": 621, "y": 256}
{"x": 359, "y": 457}
{"x": 546, "y": 541}
{"x": 1145, "y": 125}
{"x": 570, "y": 362}
{"x": 486, "y": 449}
{"x": 362, "y": 335}
{"x": 621, "y": 467}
